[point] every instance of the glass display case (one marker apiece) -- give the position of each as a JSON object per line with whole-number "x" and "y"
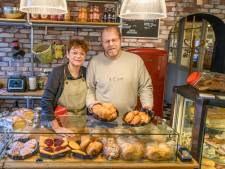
{"x": 25, "y": 142}
{"x": 199, "y": 118}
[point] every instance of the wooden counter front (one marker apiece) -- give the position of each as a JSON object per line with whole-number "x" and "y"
{"x": 71, "y": 163}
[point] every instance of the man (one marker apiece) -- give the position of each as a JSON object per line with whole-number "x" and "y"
{"x": 118, "y": 77}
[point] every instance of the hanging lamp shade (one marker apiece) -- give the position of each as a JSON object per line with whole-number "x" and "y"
{"x": 143, "y": 9}
{"x": 47, "y": 7}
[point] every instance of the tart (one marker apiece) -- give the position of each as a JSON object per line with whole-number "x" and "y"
{"x": 53, "y": 147}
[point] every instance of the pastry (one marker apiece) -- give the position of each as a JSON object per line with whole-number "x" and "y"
{"x": 94, "y": 148}
{"x": 18, "y": 123}
{"x": 136, "y": 118}
{"x": 88, "y": 148}
{"x": 105, "y": 111}
{"x": 111, "y": 149}
{"x": 26, "y": 151}
{"x": 31, "y": 143}
{"x": 85, "y": 141}
{"x": 130, "y": 148}
{"x": 74, "y": 145}
{"x": 158, "y": 152}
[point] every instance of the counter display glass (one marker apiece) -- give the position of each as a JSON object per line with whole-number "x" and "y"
{"x": 199, "y": 118}
{"x": 28, "y": 142}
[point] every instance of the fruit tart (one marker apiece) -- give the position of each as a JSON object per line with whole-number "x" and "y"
{"x": 53, "y": 147}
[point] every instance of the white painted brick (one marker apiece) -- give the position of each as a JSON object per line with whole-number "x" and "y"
{"x": 5, "y": 49}
{"x": 39, "y": 32}
{"x": 2, "y": 74}
{"x": 94, "y": 34}
{"x": 8, "y": 68}
{"x": 82, "y": 33}
{"x": 215, "y": 11}
{"x": 23, "y": 69}
{"x": 4, "y": 64}
{"x": 6, "y": 35}
{"x": 50, "y": 37}
{"x": 23, "y": 36}
{"x": 25, "y": 30}
{"x": 4, "y": 44}
{"x": 67, "y": 32}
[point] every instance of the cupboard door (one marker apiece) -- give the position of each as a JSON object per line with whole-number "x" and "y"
{"x": 156, "y": 62}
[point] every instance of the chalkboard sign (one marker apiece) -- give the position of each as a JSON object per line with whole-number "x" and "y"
{"x": 140, "y": 28}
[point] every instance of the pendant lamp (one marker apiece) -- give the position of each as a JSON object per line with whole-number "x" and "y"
{"x": 47, "y": 7}
{"x": 143, "y": 9}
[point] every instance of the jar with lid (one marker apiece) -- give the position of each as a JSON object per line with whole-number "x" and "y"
{"x": 82, "y": 15}
{"x": 96, "y": 14}
{"x": 67, "y": 16}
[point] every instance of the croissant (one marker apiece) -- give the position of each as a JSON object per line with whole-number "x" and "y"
{"x": 85, "y": 140}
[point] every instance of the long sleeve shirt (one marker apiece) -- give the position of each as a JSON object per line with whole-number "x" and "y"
{"x": 119, "y": 81}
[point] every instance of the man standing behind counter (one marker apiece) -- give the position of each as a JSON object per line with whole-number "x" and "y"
{"x": 118, "y": 77}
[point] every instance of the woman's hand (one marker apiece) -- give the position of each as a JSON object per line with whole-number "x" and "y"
{"x": 61, "y": 130}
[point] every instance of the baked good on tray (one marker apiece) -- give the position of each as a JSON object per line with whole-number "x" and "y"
{"x": 53, "y": 147}
{"x": 85, "y": 147}
{"x": 105, "y": 112}
{"x": 19, "y": 150}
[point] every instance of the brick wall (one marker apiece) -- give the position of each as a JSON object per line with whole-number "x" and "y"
{"x": 8, "y": 66}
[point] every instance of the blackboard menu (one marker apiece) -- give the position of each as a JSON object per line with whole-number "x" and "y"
{"x": 140, "y": 28}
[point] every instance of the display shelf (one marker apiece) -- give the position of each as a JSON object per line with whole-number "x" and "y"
{"x": 16, "y": 22}
{"x": 50, "y": 23}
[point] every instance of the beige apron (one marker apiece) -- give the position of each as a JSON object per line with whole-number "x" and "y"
{"x": 73, "y": 98}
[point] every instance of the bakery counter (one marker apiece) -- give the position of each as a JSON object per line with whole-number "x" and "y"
{"x": 29, "y": 96}
{"x": 69, "y": 162}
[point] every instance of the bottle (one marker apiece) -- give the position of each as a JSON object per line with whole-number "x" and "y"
{"x": 109, "y": 15}
{"x": 105, "y": 15}
{"x": 113, "y": 15}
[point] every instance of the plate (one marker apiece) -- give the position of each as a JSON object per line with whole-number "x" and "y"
{"x": 17, "y": 157}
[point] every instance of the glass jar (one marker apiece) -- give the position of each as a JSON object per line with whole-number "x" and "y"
{"x": 82, "y": 15}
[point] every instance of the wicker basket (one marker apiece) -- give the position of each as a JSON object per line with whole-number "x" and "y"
{"x": 17, "y": 15}
{"x": 43, "y": 52}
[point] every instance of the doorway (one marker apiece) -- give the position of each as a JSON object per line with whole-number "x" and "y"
{"x": 194, "y": 45}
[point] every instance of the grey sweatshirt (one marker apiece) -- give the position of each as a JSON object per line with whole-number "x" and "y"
{"x": 119, "y": 81}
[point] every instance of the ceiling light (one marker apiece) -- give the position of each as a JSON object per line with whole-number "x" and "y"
{"x": 143, "y": 9}
{"x": 47, "y": 7}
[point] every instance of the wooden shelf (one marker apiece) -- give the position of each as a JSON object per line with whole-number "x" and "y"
{"x": 72, "y": 23}
{"x": 50, "y": 23}
{"x": 5, "y": 22}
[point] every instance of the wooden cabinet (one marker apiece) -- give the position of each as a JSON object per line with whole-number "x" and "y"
{"x": 156, "y": 63}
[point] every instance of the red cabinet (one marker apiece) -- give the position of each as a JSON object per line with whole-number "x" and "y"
{"x": 156, "y": 63}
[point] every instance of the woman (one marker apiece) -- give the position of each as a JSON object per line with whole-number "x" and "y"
{"x": 66, "y": 86}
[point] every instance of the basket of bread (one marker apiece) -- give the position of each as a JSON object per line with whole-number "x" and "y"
{"x": 106, "y": 112}
{"x": 138, "y": 118}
